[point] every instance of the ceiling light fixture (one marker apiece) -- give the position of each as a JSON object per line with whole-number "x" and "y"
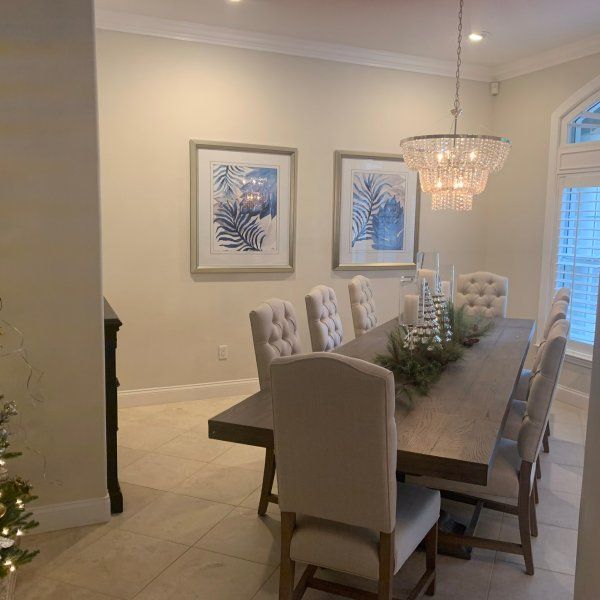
{"x": 476, "y": 37}
{"x": 454, "y": 167}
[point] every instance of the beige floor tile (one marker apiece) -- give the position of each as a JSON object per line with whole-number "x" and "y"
{"x": 253, "y": 499}
{"x": 196, "y": 446}
{"x": 181, "y": 415}
{"x": 567, "y": 432}
{"x": 58, "y": 546}
{"x": 43, "y": 588}
{"x": 145, "y": 436}
{"x": 554, "y": 549}
{"x": 120, "y": 563}
{"x": 202, "y": 575}
{"x": 559, "y": 508}
{"x": 510, "y": 583}
{"x": 159, "y": 471}
{"x": 244, "y": 457}
{"x": 135, "y": 497}
{"x": 565, "y": 413}
{"x": 243, "y": 534}
{"x": 221, "y": 484}
{"x": 564, "y": 453}
{"x": 127, "y": 456}
{"x": 175, "y": 518}
{"x": 560, "y": 478}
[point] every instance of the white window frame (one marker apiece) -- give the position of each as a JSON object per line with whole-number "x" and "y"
{"x": 565, "y": 159}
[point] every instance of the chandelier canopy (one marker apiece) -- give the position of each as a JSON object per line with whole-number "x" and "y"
{"x": 454, "y": 167}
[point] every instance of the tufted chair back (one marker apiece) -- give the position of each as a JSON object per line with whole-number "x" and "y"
{"x": 482, "y": 293}
{"x": 541, "y": 391}
{"x": 562, "y": 294}
{"x": 559, "y": 311}
{"x": 275, "y": 333}
{"x": 335, "y": 439}
{"x": 364, "y": 315}
{"x": 324, "y": 323}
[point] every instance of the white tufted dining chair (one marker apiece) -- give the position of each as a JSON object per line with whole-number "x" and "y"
{"x": 514, "y": 470}
{"x": 275, "y": 333}
{"x": 362, "y": 304}
{"x": 324, "y": 322}
{"x": 341, "y": 507}
{"x": 482, "y": 293}
{"x": 563, "y": 294}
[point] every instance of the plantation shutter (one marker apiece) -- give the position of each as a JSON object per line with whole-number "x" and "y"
{"x": 578, "y": 253}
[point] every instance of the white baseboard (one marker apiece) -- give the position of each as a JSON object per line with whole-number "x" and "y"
{"x": 572, "y": 397}
{"x": 184, "y": 393}
{"x": 71, "y": 514}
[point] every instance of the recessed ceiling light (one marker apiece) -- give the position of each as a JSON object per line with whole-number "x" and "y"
{"x": 477, "y": 36}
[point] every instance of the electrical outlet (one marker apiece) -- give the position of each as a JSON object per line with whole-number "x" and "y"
{"x": 223, "y": 352}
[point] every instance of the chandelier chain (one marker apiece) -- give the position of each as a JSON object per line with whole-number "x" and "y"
{"x": 457, "y": 108}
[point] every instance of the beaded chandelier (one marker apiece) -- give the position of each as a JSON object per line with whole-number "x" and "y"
{"x": 455, "y": 167}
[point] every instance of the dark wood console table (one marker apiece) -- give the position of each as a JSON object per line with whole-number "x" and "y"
{"x": 112, "y": 323}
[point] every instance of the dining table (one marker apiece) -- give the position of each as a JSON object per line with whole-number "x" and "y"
{"x": 451, "y": 432}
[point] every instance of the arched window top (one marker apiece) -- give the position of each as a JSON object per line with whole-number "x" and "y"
{"x": 585, "y": 127}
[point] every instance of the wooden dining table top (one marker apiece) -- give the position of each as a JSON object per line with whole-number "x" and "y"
{"x": 452, "y": 432}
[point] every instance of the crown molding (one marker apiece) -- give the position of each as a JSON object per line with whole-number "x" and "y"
{"x": 221, "y": 36}
{"x": 550, "y": 58}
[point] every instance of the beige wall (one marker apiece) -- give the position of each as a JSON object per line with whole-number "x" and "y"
{"x": 156, "y": 94}
{"x": 515, "y": 200}
{"x": 50, "y": 235}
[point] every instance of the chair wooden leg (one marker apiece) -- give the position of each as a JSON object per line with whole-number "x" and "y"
{"x": 386, "y": 566}
{"x": 533, "y": 516}
{"x": 287, "y": 568}
{"x": 536, "y": 493}
{"x": 267, "y": 483}
{"x": 525, "y": 493}
{"x": 431, "y": 543}
{"x": 538, "y": 468}
{"x": 546, "y": 436}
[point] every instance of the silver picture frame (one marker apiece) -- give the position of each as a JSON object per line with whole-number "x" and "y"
{"x": 196, "y": 265}
{"x": 337, "y": 263}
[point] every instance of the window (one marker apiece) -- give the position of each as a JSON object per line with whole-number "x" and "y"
{"x": 585, "y": 127}
{"x": 578, "y": 256}
{"x": 571, "y": 254}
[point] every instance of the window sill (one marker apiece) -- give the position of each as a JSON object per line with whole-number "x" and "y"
{"x": 579, "y": 358}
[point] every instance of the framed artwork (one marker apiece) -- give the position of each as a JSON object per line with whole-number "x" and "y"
{"x": 376, "y": 212}
{"x": 242, "y": 207}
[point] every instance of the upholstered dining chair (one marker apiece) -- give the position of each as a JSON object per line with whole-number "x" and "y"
{"x": 275, "y": 333}
{"x": 341, "y": 507}
{"x": 482, "y": 293}
{"x": 364, "y": 315}
{"x": 518, "y": 408}
{"x": 562, "y": 293}
{"x": 558, "y": 311}
{"x": 513, "y": 473}
{"x": 324, "y": 322}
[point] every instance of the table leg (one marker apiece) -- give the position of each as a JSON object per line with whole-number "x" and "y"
{"x": 266, "y": 494}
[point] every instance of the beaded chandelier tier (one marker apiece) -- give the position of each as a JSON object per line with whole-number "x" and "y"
{"x": 454, "y": 167}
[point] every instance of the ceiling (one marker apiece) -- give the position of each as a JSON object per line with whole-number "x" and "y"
{"x": 426, "y": 28}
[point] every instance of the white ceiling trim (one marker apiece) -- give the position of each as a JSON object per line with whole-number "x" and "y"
{"x": 550, "y": 58}
{"x": 237, "y": 38}
{"x": 208, "y": 34}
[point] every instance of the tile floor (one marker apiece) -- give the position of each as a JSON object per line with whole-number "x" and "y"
{"x": 190, "y": 529}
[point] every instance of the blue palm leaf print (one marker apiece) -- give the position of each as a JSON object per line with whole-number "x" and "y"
{"x": 238, "y": 229}
{"x": 369, "y": 193}
{"x": 228, "y": 180}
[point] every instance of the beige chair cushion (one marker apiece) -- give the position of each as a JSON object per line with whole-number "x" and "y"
{"x": 563, "y": 294}
{"x": 503, "y": 480}
{"x": 324, "y": 323}
{"x": 559, "y": 311}
{"x": 482, "y": 293}
{"x": 364, "y": 315}
{"x": 355, "y": 550}
{"x": 514, "y": 420}
{"x": 541, "y": 391}
{"x": 274, "y": 333}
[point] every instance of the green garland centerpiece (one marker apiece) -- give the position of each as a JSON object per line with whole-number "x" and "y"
{"x": 417, "y": 355}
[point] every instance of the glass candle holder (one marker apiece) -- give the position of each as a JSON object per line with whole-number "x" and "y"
{"x": 408, "y": 312}
{"x": 428, "y": 268}
{"x": 447, "y": 281}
